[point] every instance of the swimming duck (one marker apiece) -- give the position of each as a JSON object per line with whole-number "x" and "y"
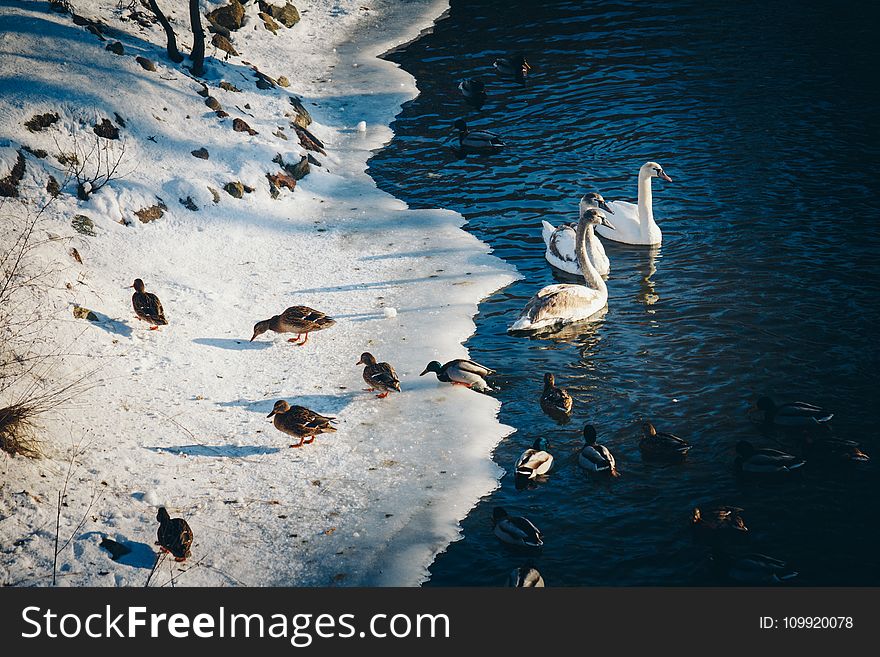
{"x": 477, "y": 141}
{"x": 834, "y": 451}
{"x": 514, "y": 66}
{"x": 554, "y": 306}
{"x": 554, "y": 400}
{"x": 535, "y": 461}
{"x": 634, "y": 224}
{"x": 561, "y": 242}
{"x": 300, "y": 422}
{"x": 753, "y": 569}
{"x": 379, "y": 376}
{"x": 174, "y": 535}
{"x": 661, "y": 445}
{"x": 525, "y": 577}
{"x": 461, "y": 372}
{"x": 296, "y": 319}
{"x": 147, "y": 306}
{"x": 474, "y": 91}
{"x": 764, "y": 461}
{"x": 594, "y": 457}
{"x": 792, "y": 415}
{"x": 718, "y": 519}
{"x": 515, "y": 530}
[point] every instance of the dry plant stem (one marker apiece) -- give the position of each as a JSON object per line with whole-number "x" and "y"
{"x": 159, "y": 558}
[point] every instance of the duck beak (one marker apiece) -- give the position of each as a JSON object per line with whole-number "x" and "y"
{"x": 665, "y": 177}
{"x": 271, "y": 414}
{"x": 607, "y": 223}
{"x": 360, "y": 362}
{"x": 425, "y": 372}
{"x": 605, "y": 207}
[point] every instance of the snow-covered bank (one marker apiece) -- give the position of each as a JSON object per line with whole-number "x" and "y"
{"x": 179, "y": 417}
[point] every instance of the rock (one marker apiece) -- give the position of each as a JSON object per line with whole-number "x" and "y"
{"x": 280, "y": 135}
{"x": 9, "y": 184}
{"x": 189, "y": 204}
{"x": 75, "y": 255}
{"x": 146, "y": 215}
{"x": 309, "y": 141}
{"x": 230, "y": 16}
{"x": 52, "y": 186}
{"x": 119, "y": 120}
{"x": 36, "y": 152}
{"x": 213, "y": 103}
{"x": 240, "y": 125}
{"x": 116, "y": 48}
{"x": 106, "y": 129}
{"x": 283, "y": 81}
{"x": 297, "y": 171}
{"x": 203, "y": 92}
{"x": 215, "y": 194}
{"x": 234, "y": 189}
{"x": 302, "y": 118}
{"x": 224, "y": 44}
{"x": 279, "y": 180}
{"x": 84, "y": 313}
{"x": 313, "y": 160}
{"x": 201, "y": 153}
{"x": 228, "y": 86}
{"x": 287, "y": 15}
{"x": 265, "y": 82}
{"x": 40, "y": 122}
{"x": 269, "y": 22}
{"x": 145, "y": 63}
{"x": 222, "y": 113}
{"x": 116, "y": 550}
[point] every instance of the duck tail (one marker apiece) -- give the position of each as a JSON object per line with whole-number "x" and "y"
{"x": 524, "y": 472}
{"x": 787, "y": 575}
{"x": 614, "y": 473}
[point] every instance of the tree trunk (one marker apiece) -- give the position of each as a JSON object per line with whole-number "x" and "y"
{"x": 173, "y": 53}
{"x": 198, "y": 50}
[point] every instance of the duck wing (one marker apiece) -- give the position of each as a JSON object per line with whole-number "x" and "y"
{"x": 800, "y": 414}
{"x": 595, "y": 458}
{"x": 305, "y": 316}
{"x": 382, "y": 375}
{"x": 465, "y": 365}
{"x": 672, "y": 442}
{"x": 557, "y": 398}
{"x": 148, "y": 307}
{"x": 308, "y": 421}
{"x": 521, "y": 529}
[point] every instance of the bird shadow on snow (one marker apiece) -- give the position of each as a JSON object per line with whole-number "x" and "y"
{"x": 323, "y": 404}
{"x": 241, "y": 344}
{"x": 113, "y": 326}
{"x": 217, "y": 451}
{"x": 141, "y": 555}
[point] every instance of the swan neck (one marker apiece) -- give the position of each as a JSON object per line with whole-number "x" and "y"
{"x": 646, "y": 202}
{"x": 585, "y": 235}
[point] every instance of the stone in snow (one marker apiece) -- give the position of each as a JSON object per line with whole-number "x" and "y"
{"x": 362, "y": 126}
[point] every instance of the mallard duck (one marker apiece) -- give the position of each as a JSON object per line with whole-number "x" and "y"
{"x": 561, "y": 242}
{"x": 300, "y": 422}
{"x": 525, "y": 577}
{"x": 753, "y": 569}
{"x": 174, "y": 535}
{"x": 535, "y": 460}
{"x": 594, "y": 457}
{"x": 660, "y": 445}
{"x": 477, "y": 141}
{"x": 718, "y": 519}
{"x": 514, "y": 66}
{"x": 301, "y": 320}
{"x": 834, "y": 451}
{"x": 515, "y": 530}
{"x": 764, "y": 461}
{"x": 792, "y": 415}
{"x": 555, "y": 401}
{"x": 474, "y": 91}
{"x": 379, "y": 376}
{"x": 147, "y": 306}
{"x": 461, "y": 372}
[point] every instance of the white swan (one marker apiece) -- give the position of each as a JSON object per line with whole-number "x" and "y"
{"x": 556, "y": 305}
{"x": 561, "y": 241}
{"x": 635, "y": 224}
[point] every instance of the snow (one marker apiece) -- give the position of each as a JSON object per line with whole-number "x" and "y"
{"x": 177, "y": 416}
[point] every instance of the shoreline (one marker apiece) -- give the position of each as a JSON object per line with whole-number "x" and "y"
{"x": 398, "y": 476}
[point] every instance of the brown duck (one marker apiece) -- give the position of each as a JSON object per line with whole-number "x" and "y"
{"x": 379, "y": 376}
{"x": 147, "y": 306}
{"x": 301, "y": 320}
{"x": 174, "y": 535}
{"x": 555, "y": 401}
{"x": 300, "y": 422}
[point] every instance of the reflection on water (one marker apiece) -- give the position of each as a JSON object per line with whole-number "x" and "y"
{"x": 759, "y": 287}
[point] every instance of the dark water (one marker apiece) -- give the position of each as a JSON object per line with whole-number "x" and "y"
{"x": 765, "y": 115}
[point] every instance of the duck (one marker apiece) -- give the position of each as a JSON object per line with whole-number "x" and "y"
{"x": 379, "y": 376}
{"x": 300, "y": 422}
{"x": 635, "y": 224}
{"x": 477, "y": 141}
{"x": 301, "y": 320}
{"x": 535, "y": 461}
{"x": 525, "y": 577}
{"x": 753, "y": 569}
{"x": 462, "y": 372}
{"x": 561, "y": 241}
{"x": 514, "y": 66}
{"x": 147, "y": 306}
{"x": 661, "y": 445}
{"x": 555, "y": 401}
{"x": 515, "y": 530}
{"x": 793, "y": 414}
{"x": 596, "y": 458}
{"x": 554, "y": 306}
{"x": 834, "y": 451}
{"x": 726, "y": 519}
{"x": 765, "y": 461}
{"x": 174, "y": 535}
{"x": 474, "y": 92}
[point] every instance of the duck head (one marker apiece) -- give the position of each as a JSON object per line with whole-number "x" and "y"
{"x": 653, "y": 170}
{"x": 366, "y": 359}
{"x": 281, "y": 406}
{"x": 595, "y": 217}
{"x": 594, "y": 200}
{"x": 162, "y": 516}
{"x": 498, "y": 514}
{"x": 697, "y": 517}
{"x": 590, "y": 436}
{"x": 260, "y": 328}
{"x": 461, "y": 126}
{"x": 138, "y": 285}
{"x": 549, "y": 380}
{"x": 648, "y": 430}
{"x": 541, "y": 444}
{"x": 433, "y": 366}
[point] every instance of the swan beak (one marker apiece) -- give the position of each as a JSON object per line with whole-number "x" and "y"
{"x": 605, "y": 207}
{"x": 664, "y": 176}
{"x": 607, "y": 223}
